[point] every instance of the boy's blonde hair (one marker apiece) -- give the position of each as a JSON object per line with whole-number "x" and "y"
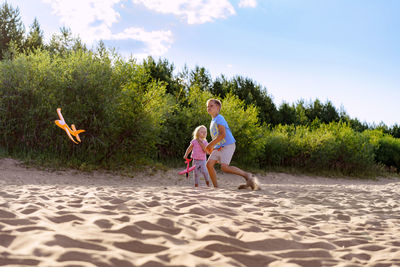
{"x": 216, "y": 102}
{"x": 196, "y": 131}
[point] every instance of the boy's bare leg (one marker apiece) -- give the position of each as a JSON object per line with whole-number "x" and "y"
{"x": 235, "y": 170}
{"x": 211, "y": 171}
{"x": 251, "y": 181}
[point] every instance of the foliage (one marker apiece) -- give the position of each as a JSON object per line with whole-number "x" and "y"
{"x": 35, "y": 37}
{"x": 11, "y": 30}
{"x": 63, "y": 43}
{"x": 162, "y": 71}
{"x": 251, "y": 93}
{"x": 286, "y": 114}
{"x": 130, "y": 117}
{"x": 201, "y": 78}
{"x": 389, "y": 152}
{"x": 140, "y": 110}
{"x": 395, "y": 131}
{"x": 178, "y": 128}
{"x": 244, "y": 124}
{"x": 333, "y": 146}
{"x": 122, "y": 116}
{"x": 134, "y": 113}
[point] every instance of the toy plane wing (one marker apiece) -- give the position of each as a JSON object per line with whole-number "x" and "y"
{"x": 63, "y": 125}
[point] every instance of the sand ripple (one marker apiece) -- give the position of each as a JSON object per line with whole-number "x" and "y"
{"x": 75, "y": 219}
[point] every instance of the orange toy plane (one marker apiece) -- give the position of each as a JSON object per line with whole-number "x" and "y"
{"x": 63, "y": 125}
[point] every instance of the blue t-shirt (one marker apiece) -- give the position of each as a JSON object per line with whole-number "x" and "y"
{"x": 220, "y": 120}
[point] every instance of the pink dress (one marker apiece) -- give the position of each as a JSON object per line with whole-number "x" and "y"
{"x": 197, "y": 151}
{"x": 199, "y": 159}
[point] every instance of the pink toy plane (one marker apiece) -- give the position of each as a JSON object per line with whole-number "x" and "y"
{"x": 188, "y": 169}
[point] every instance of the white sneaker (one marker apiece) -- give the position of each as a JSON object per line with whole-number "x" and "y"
{"x": 253, "y": 183}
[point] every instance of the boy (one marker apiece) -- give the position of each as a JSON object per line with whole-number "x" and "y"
{"x": 222, "y": 147}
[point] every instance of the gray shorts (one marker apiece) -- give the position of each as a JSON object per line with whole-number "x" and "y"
{"x": 223, "y": 156}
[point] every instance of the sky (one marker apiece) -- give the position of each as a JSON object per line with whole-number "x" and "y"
{"x": 344, "y": 51}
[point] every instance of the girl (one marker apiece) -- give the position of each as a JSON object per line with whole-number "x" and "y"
{"x": 198, "y": 148}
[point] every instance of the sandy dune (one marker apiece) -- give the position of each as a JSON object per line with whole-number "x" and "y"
{"x": 77, "y": 219}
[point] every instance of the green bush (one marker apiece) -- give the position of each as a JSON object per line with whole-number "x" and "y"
{"x": 115, "y": 103}
{"x": 333, "y": 146}
{"x": 277, "y": 146}
{"x": 177, "y": 130}
{"x": 32, "y": 88}
{"x": 389, "y": 152}
{"x": 130, "y": 118}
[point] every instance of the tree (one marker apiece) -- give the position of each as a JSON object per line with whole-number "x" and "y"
{"x": 356, "y": 125}
{"x": 301, "y": 118}
{"x": 329, "y": 113}
{"x": 219, "y": 87}
{"x": 11, "y": 29}
{"x": 101, "y": 49}
{"x": 286, "y": 114}
{"x": 162, "y": 71}
{"x": 251, "y": 93}
{"x": 78, "y": 45}
{"x": 63, "y": 43}
{"x": 395, "y": 131}
{"x": 34, "y": 39}
{"x": 313, "y": 110}
{"x": 200, "y": 77}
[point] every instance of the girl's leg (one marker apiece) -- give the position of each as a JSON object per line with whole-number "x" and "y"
{"x": 196, "y": 178}
{"x": 196, "y": 173}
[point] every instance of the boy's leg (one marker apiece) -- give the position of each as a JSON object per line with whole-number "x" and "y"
{"x": 211, "y": 171}
{"x": 226, "y": 156}
{"x": 251, "y": 181}
{"x": 235, "y": 170}
{"x": 205, "y": 172}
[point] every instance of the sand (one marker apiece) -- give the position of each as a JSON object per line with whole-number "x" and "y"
{"x": 69, "y": 218}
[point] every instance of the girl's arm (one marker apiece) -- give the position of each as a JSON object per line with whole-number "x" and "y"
{"x": 188, "y": 150}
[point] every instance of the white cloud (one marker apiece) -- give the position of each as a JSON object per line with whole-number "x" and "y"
{"x": 194, "y": 11}
{"x": 157, "y": 42}
{"x": 92, "y": 21}
{"x": 248, "y": 3}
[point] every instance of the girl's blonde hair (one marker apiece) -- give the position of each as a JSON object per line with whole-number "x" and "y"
{"x": 196, "y": 131}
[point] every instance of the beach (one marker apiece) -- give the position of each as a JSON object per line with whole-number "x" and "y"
{"x": 158, "y": 218}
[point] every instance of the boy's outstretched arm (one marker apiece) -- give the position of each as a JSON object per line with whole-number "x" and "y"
{"x": 221, "y": 135}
